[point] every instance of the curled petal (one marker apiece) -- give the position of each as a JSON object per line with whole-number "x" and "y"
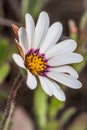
{"x": 15, "y": 29}
{"x": 20, "y": 49}
{"x": 65, "y": 79}
{"x": 65, "y": 69}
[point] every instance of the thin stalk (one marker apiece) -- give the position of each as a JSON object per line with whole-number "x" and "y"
{"x": 11, "y": 103}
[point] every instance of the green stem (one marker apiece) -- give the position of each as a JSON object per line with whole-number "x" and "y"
{"x": 11, "y": 103}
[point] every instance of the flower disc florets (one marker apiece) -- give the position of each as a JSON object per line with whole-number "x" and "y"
{"x": 36, "y": 62}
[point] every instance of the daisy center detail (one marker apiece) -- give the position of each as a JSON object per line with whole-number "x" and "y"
{"x": 35, "y": 62}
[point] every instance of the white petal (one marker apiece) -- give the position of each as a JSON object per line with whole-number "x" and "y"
{"x": 41, "y": 29}
{"x": 58, "y": 93}
{"x": 30, "y": 28}
{"x": 46, "y": 85}
{"x": 31, "y": 80}
{"x": 18, "y": 60}
{"x": 66, "y": 69}
{"x": 66, "y": 46}
{"x": 64, "y": 59}
{"x": 51, "y": 88}
{"x": 65, "y": 79}
{"x": 52, "y": 37}
{"x": 23, "y": 41}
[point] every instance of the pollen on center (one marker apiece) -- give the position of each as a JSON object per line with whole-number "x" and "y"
{"x": 35, "y": 63}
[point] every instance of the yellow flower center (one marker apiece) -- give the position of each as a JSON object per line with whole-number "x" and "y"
{"x": 35, "y": 63}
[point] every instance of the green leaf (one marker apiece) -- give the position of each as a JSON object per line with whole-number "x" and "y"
{"x": 37, "y": 6}
{"x": 1, "y": 118}
{"x": 32, "y": 6}
{"x": 4, "y": 70}
{"x": 25, "y": 7}
{"x": 4, "y": 45}
{"x": 51, "y": 125}
{"x": 54, "y": 107}
{"x": 40, "y": 106}
{"x": 83, "y": 21}
{"x": 67, "y": 114}
{"x": 73, "y": 36}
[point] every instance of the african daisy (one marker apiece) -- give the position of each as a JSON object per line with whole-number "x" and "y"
{"x": 42, "y": 58}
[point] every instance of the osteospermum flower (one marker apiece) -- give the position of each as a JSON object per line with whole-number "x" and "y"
{"x": 42, "y": 58}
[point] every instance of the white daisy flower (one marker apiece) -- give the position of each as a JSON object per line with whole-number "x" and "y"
{"x": 41, "y": 57}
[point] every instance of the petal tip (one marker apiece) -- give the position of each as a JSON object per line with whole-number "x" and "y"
{"x": 14, "y": 55}
{"x": 80, "y": 85}
{"x": 31, "y": 80}
{"x": 74, "y": 43}
{"x": 80, "y": 58}
{"x": 63, "y": 98}
{"x": 43, "y": 13}
{"x": 28, "y": 16}
{"x": 59, "y": 25}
